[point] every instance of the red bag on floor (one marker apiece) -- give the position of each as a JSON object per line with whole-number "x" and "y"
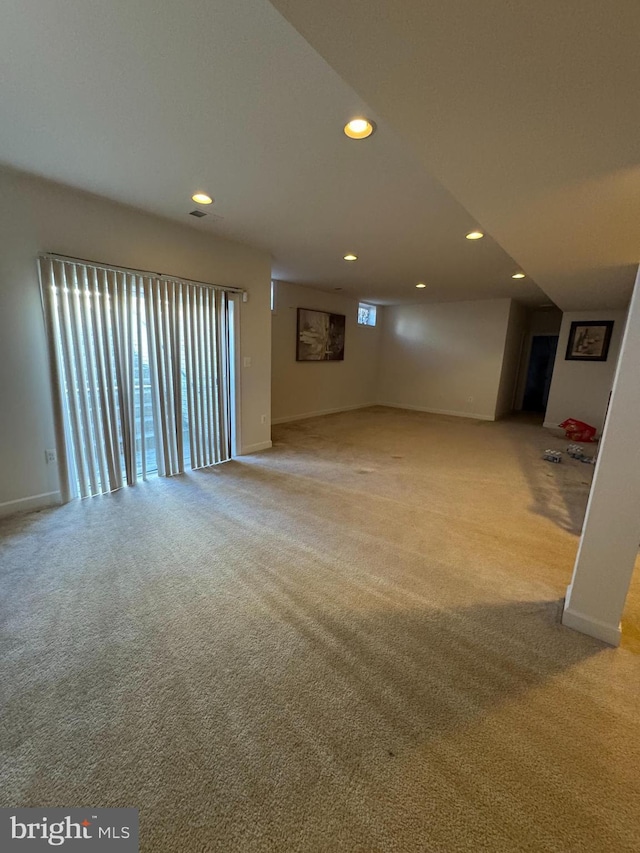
{"x": 578, "y": 430}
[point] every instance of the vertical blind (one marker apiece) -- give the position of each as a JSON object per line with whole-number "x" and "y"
{"x": 140, "y": 367}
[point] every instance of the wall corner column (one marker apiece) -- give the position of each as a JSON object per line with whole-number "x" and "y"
{"x": 611, "y": 531}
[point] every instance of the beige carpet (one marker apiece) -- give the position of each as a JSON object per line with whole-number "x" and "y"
{"x": 347, "y": 643}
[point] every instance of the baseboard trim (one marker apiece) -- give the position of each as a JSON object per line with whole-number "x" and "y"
{"x": 472, "y": 415}
{"x": 30, "y": 504}
{"x": 551, "y": 425}
{"x": 254, "y": 448}
{"x": 305, "y": 415}
{"x": 593, "y": 627}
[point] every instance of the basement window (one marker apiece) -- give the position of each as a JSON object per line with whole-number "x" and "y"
{"x": 366, "y": 314}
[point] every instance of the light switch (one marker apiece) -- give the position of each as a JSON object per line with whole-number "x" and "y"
{"x": 246, "y": 361}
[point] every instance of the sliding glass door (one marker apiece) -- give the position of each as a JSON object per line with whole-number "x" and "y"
{"x": 141, "y": 372}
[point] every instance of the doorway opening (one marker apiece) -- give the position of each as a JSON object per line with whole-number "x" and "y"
{"x": 539, "y": 373}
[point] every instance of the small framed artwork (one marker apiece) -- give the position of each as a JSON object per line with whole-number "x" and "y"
{"x": 319, "y": 336}
{"x": 589, "y": 340}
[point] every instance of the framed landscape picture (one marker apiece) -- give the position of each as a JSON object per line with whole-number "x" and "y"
{"x": 320, "y": 336}
{"x": 589, "y": 340}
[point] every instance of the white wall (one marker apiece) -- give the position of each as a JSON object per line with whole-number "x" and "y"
{"x": 37, "y": 216}
{"x": 304, "y": 389}
{"x": 514, "y": 344}
{"x": 444, "y": 357}
{"x": 581, "y": 389}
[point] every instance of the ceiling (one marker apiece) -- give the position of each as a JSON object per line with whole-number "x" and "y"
{"x": 526, "y": 111}
{"x": 147, "y": 101}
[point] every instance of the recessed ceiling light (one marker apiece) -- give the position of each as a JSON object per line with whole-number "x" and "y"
{"x": 518, "y": 275}
{"x": 359, "y": 128}
{"x": 351, "y": 257}
{"x": 202, "y": 198}
{"x": 421, "y": 285}
{"x": 474, "y": 235}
